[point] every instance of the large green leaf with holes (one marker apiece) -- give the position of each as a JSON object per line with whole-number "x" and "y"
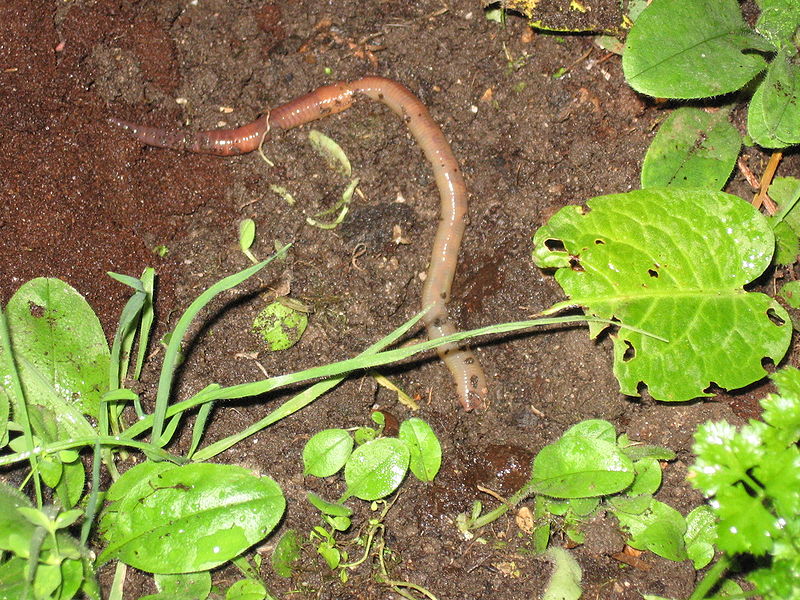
{"x": 673, "y": 263}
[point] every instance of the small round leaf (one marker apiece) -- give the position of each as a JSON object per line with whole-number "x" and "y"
{"x": 377, "y": 468}
{"x": 426, "y": 452}
{"x": 280, "y": 326}
{"x": 327, "y": 452}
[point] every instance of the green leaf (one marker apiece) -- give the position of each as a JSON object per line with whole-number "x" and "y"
{"x": 780, "y": 581}
{"x": 189, "y": 518}
{"x": 639, "y": 451}
{"x": 672, "y": 53}
{"x": 632, "y": 505}
{"x": 672, "y": 263}
{"x": 61, "y": 352}
{"x": 331, "y": 151}
{"x": 785, "y": 191}
{"x": 328, "y": 508}
{"x": 724, "y": 456}
{"x": 182, "y": 586}
{"x": 757, "y": 127}
{"x": 791, "y": 293}
{"x": 745, "y": 525}
{"x": 693, "y": 149}
{"x": 327, "y": 452}
{"x": 659, "y": 529}
{"x": 787, "y": 244}
{"x": 286, "y": 552}
{"x": 595, "y": 429}
{"x": 778, "y": 20}
{"x": 648, "y": 477}
{"x": 780, "y": 100}
{"x": 376, "y": 469}
{"x": 580, "y": 467}
{"x": 565, "y": 582}
{"x": 426, "y": 452}
{"x": 247, "y": 233}
{"x": 280, "y": 326}
{"x": 783, "y": 410}
{"x": 246, "y": 589}
{"x": 700, "y": 536}
{"x": 583, "y": 507}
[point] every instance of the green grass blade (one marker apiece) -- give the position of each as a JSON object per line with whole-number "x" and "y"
{"x": 299, "y": 401}
{"x": 150, "y": 450}
{"x": 348, "y": 366}
{"x": 199, "y": 427}
{"x": 173, "y": 348}
{"x": 146, "y": 319}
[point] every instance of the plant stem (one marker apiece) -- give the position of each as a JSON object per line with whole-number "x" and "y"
{"x": 523, "y": 492}
{"x": 711, "y": 578}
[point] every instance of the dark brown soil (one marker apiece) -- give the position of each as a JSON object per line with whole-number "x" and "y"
{"x": 80, "y": 198}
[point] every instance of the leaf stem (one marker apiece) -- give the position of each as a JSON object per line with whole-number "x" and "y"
{"x": 520, "y": 495}
{"x": 711, "y": 578}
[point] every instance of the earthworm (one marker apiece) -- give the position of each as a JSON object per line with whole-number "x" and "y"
{"x": 327, "y": 100}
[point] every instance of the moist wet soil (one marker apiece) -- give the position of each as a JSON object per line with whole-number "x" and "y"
{"x": 80, "y": 198}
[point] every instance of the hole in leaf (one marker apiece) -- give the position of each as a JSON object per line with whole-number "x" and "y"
{"x": 575, "y": 264}
{"x": 599, "y": 242}
{"x": 773, "y": 316}
{"x": 653, "y": 273}
{"x": 630, "y": 352}
{"x": 36, "y": 310}
{"x": 555, "y": 245}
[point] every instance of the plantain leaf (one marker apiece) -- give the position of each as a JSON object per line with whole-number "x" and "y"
{"x": 169, "y": 519}
{"x": 673, "y": 263}
{"x": 61, "y": 353}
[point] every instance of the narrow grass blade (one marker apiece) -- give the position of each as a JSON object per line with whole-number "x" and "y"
{"x": 173, "y": 349}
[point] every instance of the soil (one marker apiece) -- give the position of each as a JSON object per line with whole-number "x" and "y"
{"x": 81, "y": 198}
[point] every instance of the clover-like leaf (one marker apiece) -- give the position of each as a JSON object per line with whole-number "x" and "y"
{"x": 673, "y": 263}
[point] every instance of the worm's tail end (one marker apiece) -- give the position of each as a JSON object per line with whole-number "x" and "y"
{"x": 153, "y": 136}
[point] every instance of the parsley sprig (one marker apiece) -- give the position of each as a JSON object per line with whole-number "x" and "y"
{"x": 752, "y": 477}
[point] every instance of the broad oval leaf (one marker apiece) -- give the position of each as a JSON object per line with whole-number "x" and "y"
{"x": 286, "y": 552}
{"x": 660, "y": 529}
{"x": 376, "y": 469}
{"x": 426, "y": 452}
{"x": 693, "y": 149}
{"x": 773, "y": 117}
{"x": 328, "y": 508}
{"x": 181, "y": 586}
{"x": 61, "y": 352}
{"x": 246, "y": 589}
{"x": 327, "y": 452}
{"x": 700, "y": 535}
{"x": 598, "y": 429}
{"x": 188, "y": 518}
{"x": 672, "y": 263}
{"x": 580, "y": 467}
{"x": 671, "y": 52}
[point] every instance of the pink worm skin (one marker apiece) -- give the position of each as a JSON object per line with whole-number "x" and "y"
{"x": 327, "y": 100}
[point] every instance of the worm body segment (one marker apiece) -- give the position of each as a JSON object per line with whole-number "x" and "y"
{"x": 330, "y": 99}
